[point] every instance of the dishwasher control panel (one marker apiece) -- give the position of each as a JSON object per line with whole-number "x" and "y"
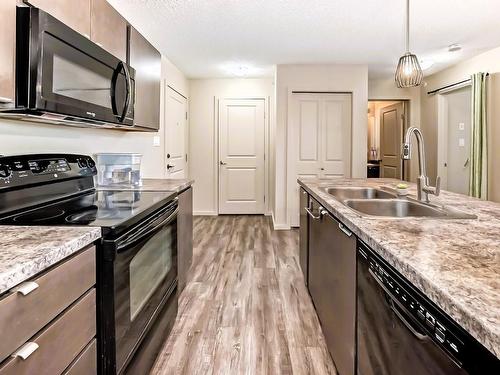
{"x": 428, "y": 318}
{"x": 418, "y": 314}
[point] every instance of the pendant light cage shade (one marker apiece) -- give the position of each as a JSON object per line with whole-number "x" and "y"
{"x": 408, "y": 73}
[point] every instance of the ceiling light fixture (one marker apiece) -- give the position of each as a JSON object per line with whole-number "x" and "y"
{"x": 408, "y": 73}
{"x": 238, "y": 70}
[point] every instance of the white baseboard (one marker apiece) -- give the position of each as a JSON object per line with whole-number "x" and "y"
{"x": 205, "y": 213}
{"x": 279, "y": 226}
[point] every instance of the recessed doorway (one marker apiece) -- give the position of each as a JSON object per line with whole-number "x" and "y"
{"x": 387, "y": 122}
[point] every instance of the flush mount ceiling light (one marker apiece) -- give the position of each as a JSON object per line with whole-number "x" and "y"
{"x": 408, "y": 73}
{"x": 454, "y": 47}
{"x": 238, "y": 70}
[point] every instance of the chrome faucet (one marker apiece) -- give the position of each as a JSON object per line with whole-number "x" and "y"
{"x": 423, "y": 187}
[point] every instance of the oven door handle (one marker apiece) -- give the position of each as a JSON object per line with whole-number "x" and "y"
{"x": 146, "y": 232}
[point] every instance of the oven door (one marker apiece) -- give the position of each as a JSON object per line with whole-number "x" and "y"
{"x": 71, "y": 75}
{"x": 144, "y": 273}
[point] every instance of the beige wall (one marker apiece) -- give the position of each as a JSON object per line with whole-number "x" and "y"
{"x": 486, "y": 62}
{"x": 22, "y": 137}
{"x": 203, "y": 135}
{"x": 330, "y": 78}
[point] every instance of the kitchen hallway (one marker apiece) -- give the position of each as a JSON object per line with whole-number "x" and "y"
{"x": 246, "y": 308}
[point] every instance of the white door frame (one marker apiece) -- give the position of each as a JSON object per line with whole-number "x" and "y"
{"x": 291, "y": 179}
{"x": 267, "y": 101}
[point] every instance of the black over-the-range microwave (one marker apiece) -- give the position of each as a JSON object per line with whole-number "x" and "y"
{"x": 63, "y": 77}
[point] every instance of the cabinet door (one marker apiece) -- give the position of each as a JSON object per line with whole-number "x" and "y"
{"x": 7, "y": 52}
{"x": 304, "y": 232}
{"x": 146, "y": 61}
{"x": 332, "y": 285}
{"x": 108, "y": 29}
{"x": 75, "y": 14}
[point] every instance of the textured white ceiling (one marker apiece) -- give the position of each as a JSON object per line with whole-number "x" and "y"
{"x": 206, "y": 38}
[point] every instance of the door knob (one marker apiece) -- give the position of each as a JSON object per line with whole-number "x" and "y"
{"x": 170, "y": 166}
{"x": 222, "y": 163}
{"x": 322, "y": 169}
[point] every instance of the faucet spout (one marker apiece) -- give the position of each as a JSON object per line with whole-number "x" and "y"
{"x": 422, "y": 181}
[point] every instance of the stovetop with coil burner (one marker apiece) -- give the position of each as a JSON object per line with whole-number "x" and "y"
{"x": 58, "y": 189}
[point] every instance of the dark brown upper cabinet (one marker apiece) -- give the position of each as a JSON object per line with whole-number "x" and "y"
{"x": 75, "y": 14}
{"x": 146, "y": 61}
{"x": 108, "y": 28}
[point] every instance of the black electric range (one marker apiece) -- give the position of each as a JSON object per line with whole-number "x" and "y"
{"x": 136, "y": 256}
{"x": 113, "y": 211}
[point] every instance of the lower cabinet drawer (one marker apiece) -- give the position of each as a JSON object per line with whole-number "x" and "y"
{"x": 32, "y": 305}
{"x": 86, "y": 362}
{"x": 57, "y": 345}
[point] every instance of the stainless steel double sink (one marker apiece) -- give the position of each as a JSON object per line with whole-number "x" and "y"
{"x": 377, "y": 202}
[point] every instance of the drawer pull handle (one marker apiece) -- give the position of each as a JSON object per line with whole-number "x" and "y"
{"x": 345, "y": 230}
{"x": 4, "y": 100}
{"x": 26, "y": 350}
{"x": 27, "y": 287}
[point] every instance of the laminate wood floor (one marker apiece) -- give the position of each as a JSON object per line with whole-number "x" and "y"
{"x": 245, "y": 309}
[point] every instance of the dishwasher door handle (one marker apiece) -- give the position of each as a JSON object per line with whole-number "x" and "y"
{"x": 407, "y": 324}
{"x": 321, "y": 212}
{"x": 418, "y": 335}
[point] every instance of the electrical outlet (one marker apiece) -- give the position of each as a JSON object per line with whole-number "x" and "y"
{"x": 461, "y": 142}
{"x": 461, "y": 126}
{"x": 156, "y": 141}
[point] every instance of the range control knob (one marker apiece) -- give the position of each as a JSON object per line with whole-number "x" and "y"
{"x": 91, "y": 163}
{"x": 4, "y": 171}
{"x": 82, "y": 163}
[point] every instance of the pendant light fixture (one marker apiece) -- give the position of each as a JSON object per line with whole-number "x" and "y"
{"x": 408, "y": 73}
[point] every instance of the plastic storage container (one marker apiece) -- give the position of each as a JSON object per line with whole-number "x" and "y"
{"x": 118, "y": 169}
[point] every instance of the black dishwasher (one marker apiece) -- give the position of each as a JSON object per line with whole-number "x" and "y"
{"x": 400, "y": 331}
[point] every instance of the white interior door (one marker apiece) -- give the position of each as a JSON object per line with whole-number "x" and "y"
{"x": 319, "y": 139}
{"x": 176, "y": 134}
{"x": 241, "y": 156}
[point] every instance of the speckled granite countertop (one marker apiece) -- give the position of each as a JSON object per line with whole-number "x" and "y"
{"x": 157, "y": 184}
{"x": 456, "y": 263}
{"x": 26, "y": 251}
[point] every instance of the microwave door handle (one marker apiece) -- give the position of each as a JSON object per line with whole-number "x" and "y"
{"x": 138, "y": 237}
{"x": 114, "y": 79}
{"x": 128, "y": 100}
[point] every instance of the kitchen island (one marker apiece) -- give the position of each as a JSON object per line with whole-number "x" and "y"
{"x": 455, "y": 263}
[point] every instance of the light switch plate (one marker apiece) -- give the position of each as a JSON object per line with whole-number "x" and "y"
{"x": 461, "y": 126}
{"x": 156, "y": 141}
{"x": 461, "y": 142}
